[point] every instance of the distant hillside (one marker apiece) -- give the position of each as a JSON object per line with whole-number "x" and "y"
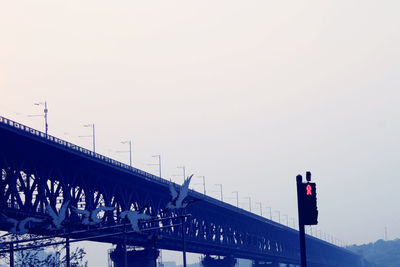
{"x": 381, "y": 253}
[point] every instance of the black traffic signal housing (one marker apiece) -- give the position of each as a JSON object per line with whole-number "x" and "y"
{"x": 308, "y": 199}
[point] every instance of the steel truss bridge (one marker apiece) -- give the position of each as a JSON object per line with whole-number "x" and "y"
{"x": 37, "y": 169}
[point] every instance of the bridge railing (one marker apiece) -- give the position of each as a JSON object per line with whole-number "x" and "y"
{"x": 72, "y": 147}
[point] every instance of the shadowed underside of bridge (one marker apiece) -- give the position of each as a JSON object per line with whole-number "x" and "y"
{"x": 39, "y": 169}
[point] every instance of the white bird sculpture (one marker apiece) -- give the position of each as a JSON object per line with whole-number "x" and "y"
{"x": 134, "y": 216}
{"x": 90, "y": 216}
{"x": 57, "y": 220}
{"x": 19, "y": 227}
{"x": 177, "y": 200}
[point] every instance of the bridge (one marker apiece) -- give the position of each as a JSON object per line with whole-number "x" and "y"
{"x": 38, "y": 169}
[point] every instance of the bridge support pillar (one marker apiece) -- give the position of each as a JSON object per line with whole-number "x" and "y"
{"x": 135, "y": 258}
{"x": 227, "y": 261}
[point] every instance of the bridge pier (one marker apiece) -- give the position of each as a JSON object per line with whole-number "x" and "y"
{"x": 135, "y": 258}
{"x": 227, "y": 261}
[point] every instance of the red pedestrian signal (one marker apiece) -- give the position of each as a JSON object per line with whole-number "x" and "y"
{"x": 308, "y": 203}
{"x": 307, "y": 197}
{"x": 309, "y": 189}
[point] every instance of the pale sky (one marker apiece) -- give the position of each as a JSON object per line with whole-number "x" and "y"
{"x": 247, "y": 93}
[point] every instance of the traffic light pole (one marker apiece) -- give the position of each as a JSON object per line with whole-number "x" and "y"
{"x": 303, "y": 256}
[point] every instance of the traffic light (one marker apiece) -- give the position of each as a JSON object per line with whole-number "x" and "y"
{"x": 307, "y": 208}
{"x": 308, "y": 203}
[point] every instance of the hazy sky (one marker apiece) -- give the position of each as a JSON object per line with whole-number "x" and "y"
{"x": 247, "y": 93}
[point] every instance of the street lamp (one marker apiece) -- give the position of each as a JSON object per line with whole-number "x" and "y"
{"x": 279, "y": 215}
{"x": 159, "y": 163}
{"x": 204, "y": 183}
{"x": 260, "y": 205}
{"x": 287, "y": 220}
{"x": 130, "y": 151}
{"x": 294, "y": 223}
{"x": 91, "y": 125}
{"x": 184, "y": 171}
{"x": 249, "y": 198}
{"x": 46, "y": 126}
{"x": 237, "y": 198}
{"x": 220, "y": 185}
{"x": 270, "y": 212}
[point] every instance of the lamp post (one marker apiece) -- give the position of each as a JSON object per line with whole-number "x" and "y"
{"x": 249, "y": 198}
{"x": 279, "y": 215}
{"x": 46, "y": 126}
{"x": 159, "y": 171}
{"x": 220, "y": 186}
{"x": 159, "y": 163}
{"x": 287, "y": 220}
{"x": 183, "y": 241}
{"x": 130, "y": 150}
{"x": 294, "y": 223}
{"x": 237, "y": 198}
{"x": 204, "y": 183}
{"x": 91, "y": 125}
{"x": 270, "y": 212}
{"x": 260, "y": 206}
{"x": 184, "y": 171}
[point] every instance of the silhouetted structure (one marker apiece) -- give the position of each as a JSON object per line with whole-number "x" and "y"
{"x": 135, "y": 258}
{"x": 38, "y": 169}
